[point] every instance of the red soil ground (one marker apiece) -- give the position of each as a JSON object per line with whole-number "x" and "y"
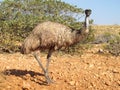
{"x": 91, "y": 71}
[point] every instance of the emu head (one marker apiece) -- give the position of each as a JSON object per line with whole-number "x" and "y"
{"x": 88, "y": 12}
{"x": 86, "y": 25}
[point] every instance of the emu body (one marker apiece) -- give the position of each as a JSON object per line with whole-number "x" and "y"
{"x": 50, "y": 34}
{"x": 53, "y": 36}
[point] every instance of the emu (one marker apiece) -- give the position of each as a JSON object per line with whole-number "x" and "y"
{"x": 53, "y": 36}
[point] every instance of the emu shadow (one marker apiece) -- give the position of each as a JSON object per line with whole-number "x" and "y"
{"x": 23, "y": 73}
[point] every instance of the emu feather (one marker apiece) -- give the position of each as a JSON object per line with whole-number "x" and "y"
{"x": 52, "y": 36}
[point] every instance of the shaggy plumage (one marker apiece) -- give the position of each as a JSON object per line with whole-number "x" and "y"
{"x": 50, "y": 34}
{"x": 53, "y": 36}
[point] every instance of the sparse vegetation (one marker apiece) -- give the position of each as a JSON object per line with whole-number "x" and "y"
{"x": 109, "y": 35}
{"x": 106, "y": 38}
{"x": 16, "y": 25}
{"x": 96, "y": 69}
{"x": 114, "y": 48}
{"x": 18, "y": 19}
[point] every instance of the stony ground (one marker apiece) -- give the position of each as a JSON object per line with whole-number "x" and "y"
{"x": 91, "y": 71}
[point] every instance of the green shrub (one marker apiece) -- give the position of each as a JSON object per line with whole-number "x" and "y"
{"x": 114, "y": 46}
{"x": 90, "y": 37}
{"x": 19, "y": 17}
{"x": 106, "y": 38}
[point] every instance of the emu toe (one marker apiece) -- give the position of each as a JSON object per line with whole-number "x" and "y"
{"x": 49, "y": 80}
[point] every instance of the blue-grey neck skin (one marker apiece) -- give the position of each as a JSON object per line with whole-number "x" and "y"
{"x": 87, "y": 24}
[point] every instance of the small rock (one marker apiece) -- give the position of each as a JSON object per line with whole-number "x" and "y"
{"x": 7, "y": 67}
{"x": 71, "y": 83}
{"x": 91, "y": 65}
{"x": 115, "y": 71}
{"x": 65, "y": 80}
{"x": 118, "y": 82}
{"x": 35, "y": 80}
{"x": 77, "y": 83}
{"x": 26, "y": 86}
{"x": 28, "y": 75}
{"x": 107, "y": 83}
{"x": 100, "y": 51}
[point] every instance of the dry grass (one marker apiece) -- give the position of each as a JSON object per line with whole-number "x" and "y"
{"x": 101, "y": 29}
{"x": 109, "y": 34}
{"x": 90, "y": 71}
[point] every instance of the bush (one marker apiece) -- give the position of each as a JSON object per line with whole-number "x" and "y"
{"x": 106, "y": 38}
{"x": 90, "y": 37}
{"x": 19, "y": 17}
{"x": 114, "y": 46}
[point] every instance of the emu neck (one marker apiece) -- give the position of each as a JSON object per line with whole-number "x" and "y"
{"x": 79, "y": 35}
{"x": 86, "y": 25}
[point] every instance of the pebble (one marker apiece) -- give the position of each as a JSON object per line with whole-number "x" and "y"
{"x": 72, "y": 83}
{"x": 26, "y": 85}
{"x": 101, "y": 51}
{"x": 28, "y": 75}
{"x": 115, "y": 71}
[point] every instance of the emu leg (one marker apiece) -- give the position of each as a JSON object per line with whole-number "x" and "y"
{"x": 47, "y": 65}
{"x": 44, "y": 70}
{"x": 40, "y": 64}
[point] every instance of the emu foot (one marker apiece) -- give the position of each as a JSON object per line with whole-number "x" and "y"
{"x": 49, "y": 80}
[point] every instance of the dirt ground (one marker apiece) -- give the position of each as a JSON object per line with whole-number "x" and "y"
{"x": 91, "y": 71}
